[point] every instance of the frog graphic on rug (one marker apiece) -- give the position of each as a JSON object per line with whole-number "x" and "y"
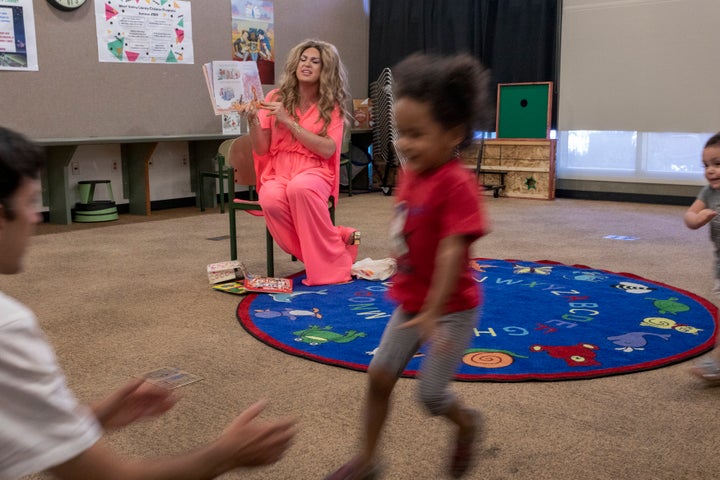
{"x": 316, "y": 335}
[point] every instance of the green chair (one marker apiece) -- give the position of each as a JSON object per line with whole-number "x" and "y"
{"x": 241, "y": 159}
{"x": 90, "y": 210}
{"x": 222, "y": 174}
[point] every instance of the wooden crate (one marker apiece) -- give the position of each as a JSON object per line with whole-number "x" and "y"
{"x": 470, "y": 155}
{"x": 526, "y": 167}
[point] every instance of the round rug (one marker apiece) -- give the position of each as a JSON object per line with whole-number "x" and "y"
{"x": 539, "y": 321}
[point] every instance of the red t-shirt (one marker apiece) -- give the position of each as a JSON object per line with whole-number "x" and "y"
{"x": 430, "y": 206}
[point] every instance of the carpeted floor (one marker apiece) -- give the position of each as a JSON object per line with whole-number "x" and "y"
{"x": 131, "y": 297}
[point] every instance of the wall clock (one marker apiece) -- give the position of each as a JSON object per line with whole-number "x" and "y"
{"x": 67, "y": 5}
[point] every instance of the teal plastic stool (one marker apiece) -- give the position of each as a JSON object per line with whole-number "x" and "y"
{"x": 90, "y": 210}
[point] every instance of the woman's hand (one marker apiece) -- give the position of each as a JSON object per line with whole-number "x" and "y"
{"x": 277, "y": 110}
{"x": 250, "y": 110}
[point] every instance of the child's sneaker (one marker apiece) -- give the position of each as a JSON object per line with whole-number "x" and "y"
{"x": 353, "y": 470}
{"x": 464, "y": 453}
{"x": 707, "y": 369}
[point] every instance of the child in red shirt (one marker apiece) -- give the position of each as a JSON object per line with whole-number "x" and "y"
{"x": 439, "y": 101}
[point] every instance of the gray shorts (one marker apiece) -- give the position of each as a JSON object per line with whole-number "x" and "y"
{"x": 398, "y": 346}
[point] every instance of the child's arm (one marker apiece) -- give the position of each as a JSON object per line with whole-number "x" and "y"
{"x": 449, "y": 263}
{"x": 698, "y": 215}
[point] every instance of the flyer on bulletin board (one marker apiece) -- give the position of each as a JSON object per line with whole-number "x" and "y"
{"x": 253, "y": 35}
{"x": 131, "y": 31}
{"x": 18, "y": 50}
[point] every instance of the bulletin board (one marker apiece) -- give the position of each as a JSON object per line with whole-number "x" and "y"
{"x": 73, "y": 96}
{"x": 524, "y": 110}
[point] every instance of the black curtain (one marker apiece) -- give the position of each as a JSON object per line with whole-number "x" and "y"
{"x": 516, "y": 39}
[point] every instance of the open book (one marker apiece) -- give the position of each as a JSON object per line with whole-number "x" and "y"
{"x": 254, "y": 283}
{"x": 232, "y": 85}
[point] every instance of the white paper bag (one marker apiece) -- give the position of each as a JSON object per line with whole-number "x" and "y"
{"x": 370, "y": 269}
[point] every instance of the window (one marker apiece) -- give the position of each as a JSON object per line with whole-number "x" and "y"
{"x": 631, "y": 156}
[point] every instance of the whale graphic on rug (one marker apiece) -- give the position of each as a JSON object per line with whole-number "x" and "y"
{"x": 632, "y": 341}
{"x": 288, "y": 297}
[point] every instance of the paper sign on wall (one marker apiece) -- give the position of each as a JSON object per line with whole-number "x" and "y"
{"x": 129, "y": 31}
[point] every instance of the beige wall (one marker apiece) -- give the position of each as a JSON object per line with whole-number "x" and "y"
{"x": 340, "y": 22}
{"x": 74, "y": 96}
{"x": 645, "y": 65}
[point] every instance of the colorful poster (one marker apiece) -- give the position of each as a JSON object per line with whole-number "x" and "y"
{"x": 144, "y": 31}
{"x": 18, "y": 50}
{"x": 253, "y": 36}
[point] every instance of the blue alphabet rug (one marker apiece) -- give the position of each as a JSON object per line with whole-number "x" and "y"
{"x": 540, "y": 321}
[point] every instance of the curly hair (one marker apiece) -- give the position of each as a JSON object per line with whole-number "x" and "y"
{"x": 713, "y": 141}
{"x": 333, "y": 89}
{"x": 456, "y": 87}
{"x": 19, "y": 158}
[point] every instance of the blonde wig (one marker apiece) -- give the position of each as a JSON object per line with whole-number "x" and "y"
{"x": 333, "y": 88}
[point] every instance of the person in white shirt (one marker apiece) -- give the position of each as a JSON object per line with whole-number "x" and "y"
{"x": 44, "y": 427}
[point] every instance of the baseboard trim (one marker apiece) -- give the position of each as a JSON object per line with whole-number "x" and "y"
{"x": 173, "y": 203}
{"x": 559, "y": 193}
{"x": 625, "y": 197}
{"x": 154, "y": 205}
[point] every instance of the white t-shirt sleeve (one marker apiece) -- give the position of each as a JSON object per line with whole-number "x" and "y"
{"x": 43, "y": 424}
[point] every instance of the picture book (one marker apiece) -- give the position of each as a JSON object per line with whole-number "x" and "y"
{"x": 170, "y": 377}
{"x": 254, "y": 283}
{"x": 224, "y": 271}
{"x": 232, "y": 85}
{"x": 268, "y": 284}
{"x": 236, "y": 287}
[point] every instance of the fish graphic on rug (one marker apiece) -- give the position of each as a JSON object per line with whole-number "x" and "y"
{"x": 288, "y": 297}
{"x": 632, "y": 287}
{"x": 290, "y": 313}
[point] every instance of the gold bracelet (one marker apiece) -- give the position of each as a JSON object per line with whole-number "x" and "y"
{"x": 296, "y": 128}
{"x": 253, "y": 121}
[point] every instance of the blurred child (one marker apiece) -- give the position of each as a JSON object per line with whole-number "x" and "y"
{"x": 439, "y": 102}
{"x": 704, "y": 210}
{"x": 44, "y": 427}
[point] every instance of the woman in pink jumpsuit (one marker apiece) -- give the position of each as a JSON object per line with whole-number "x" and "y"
{"x": 296, "y": 136}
